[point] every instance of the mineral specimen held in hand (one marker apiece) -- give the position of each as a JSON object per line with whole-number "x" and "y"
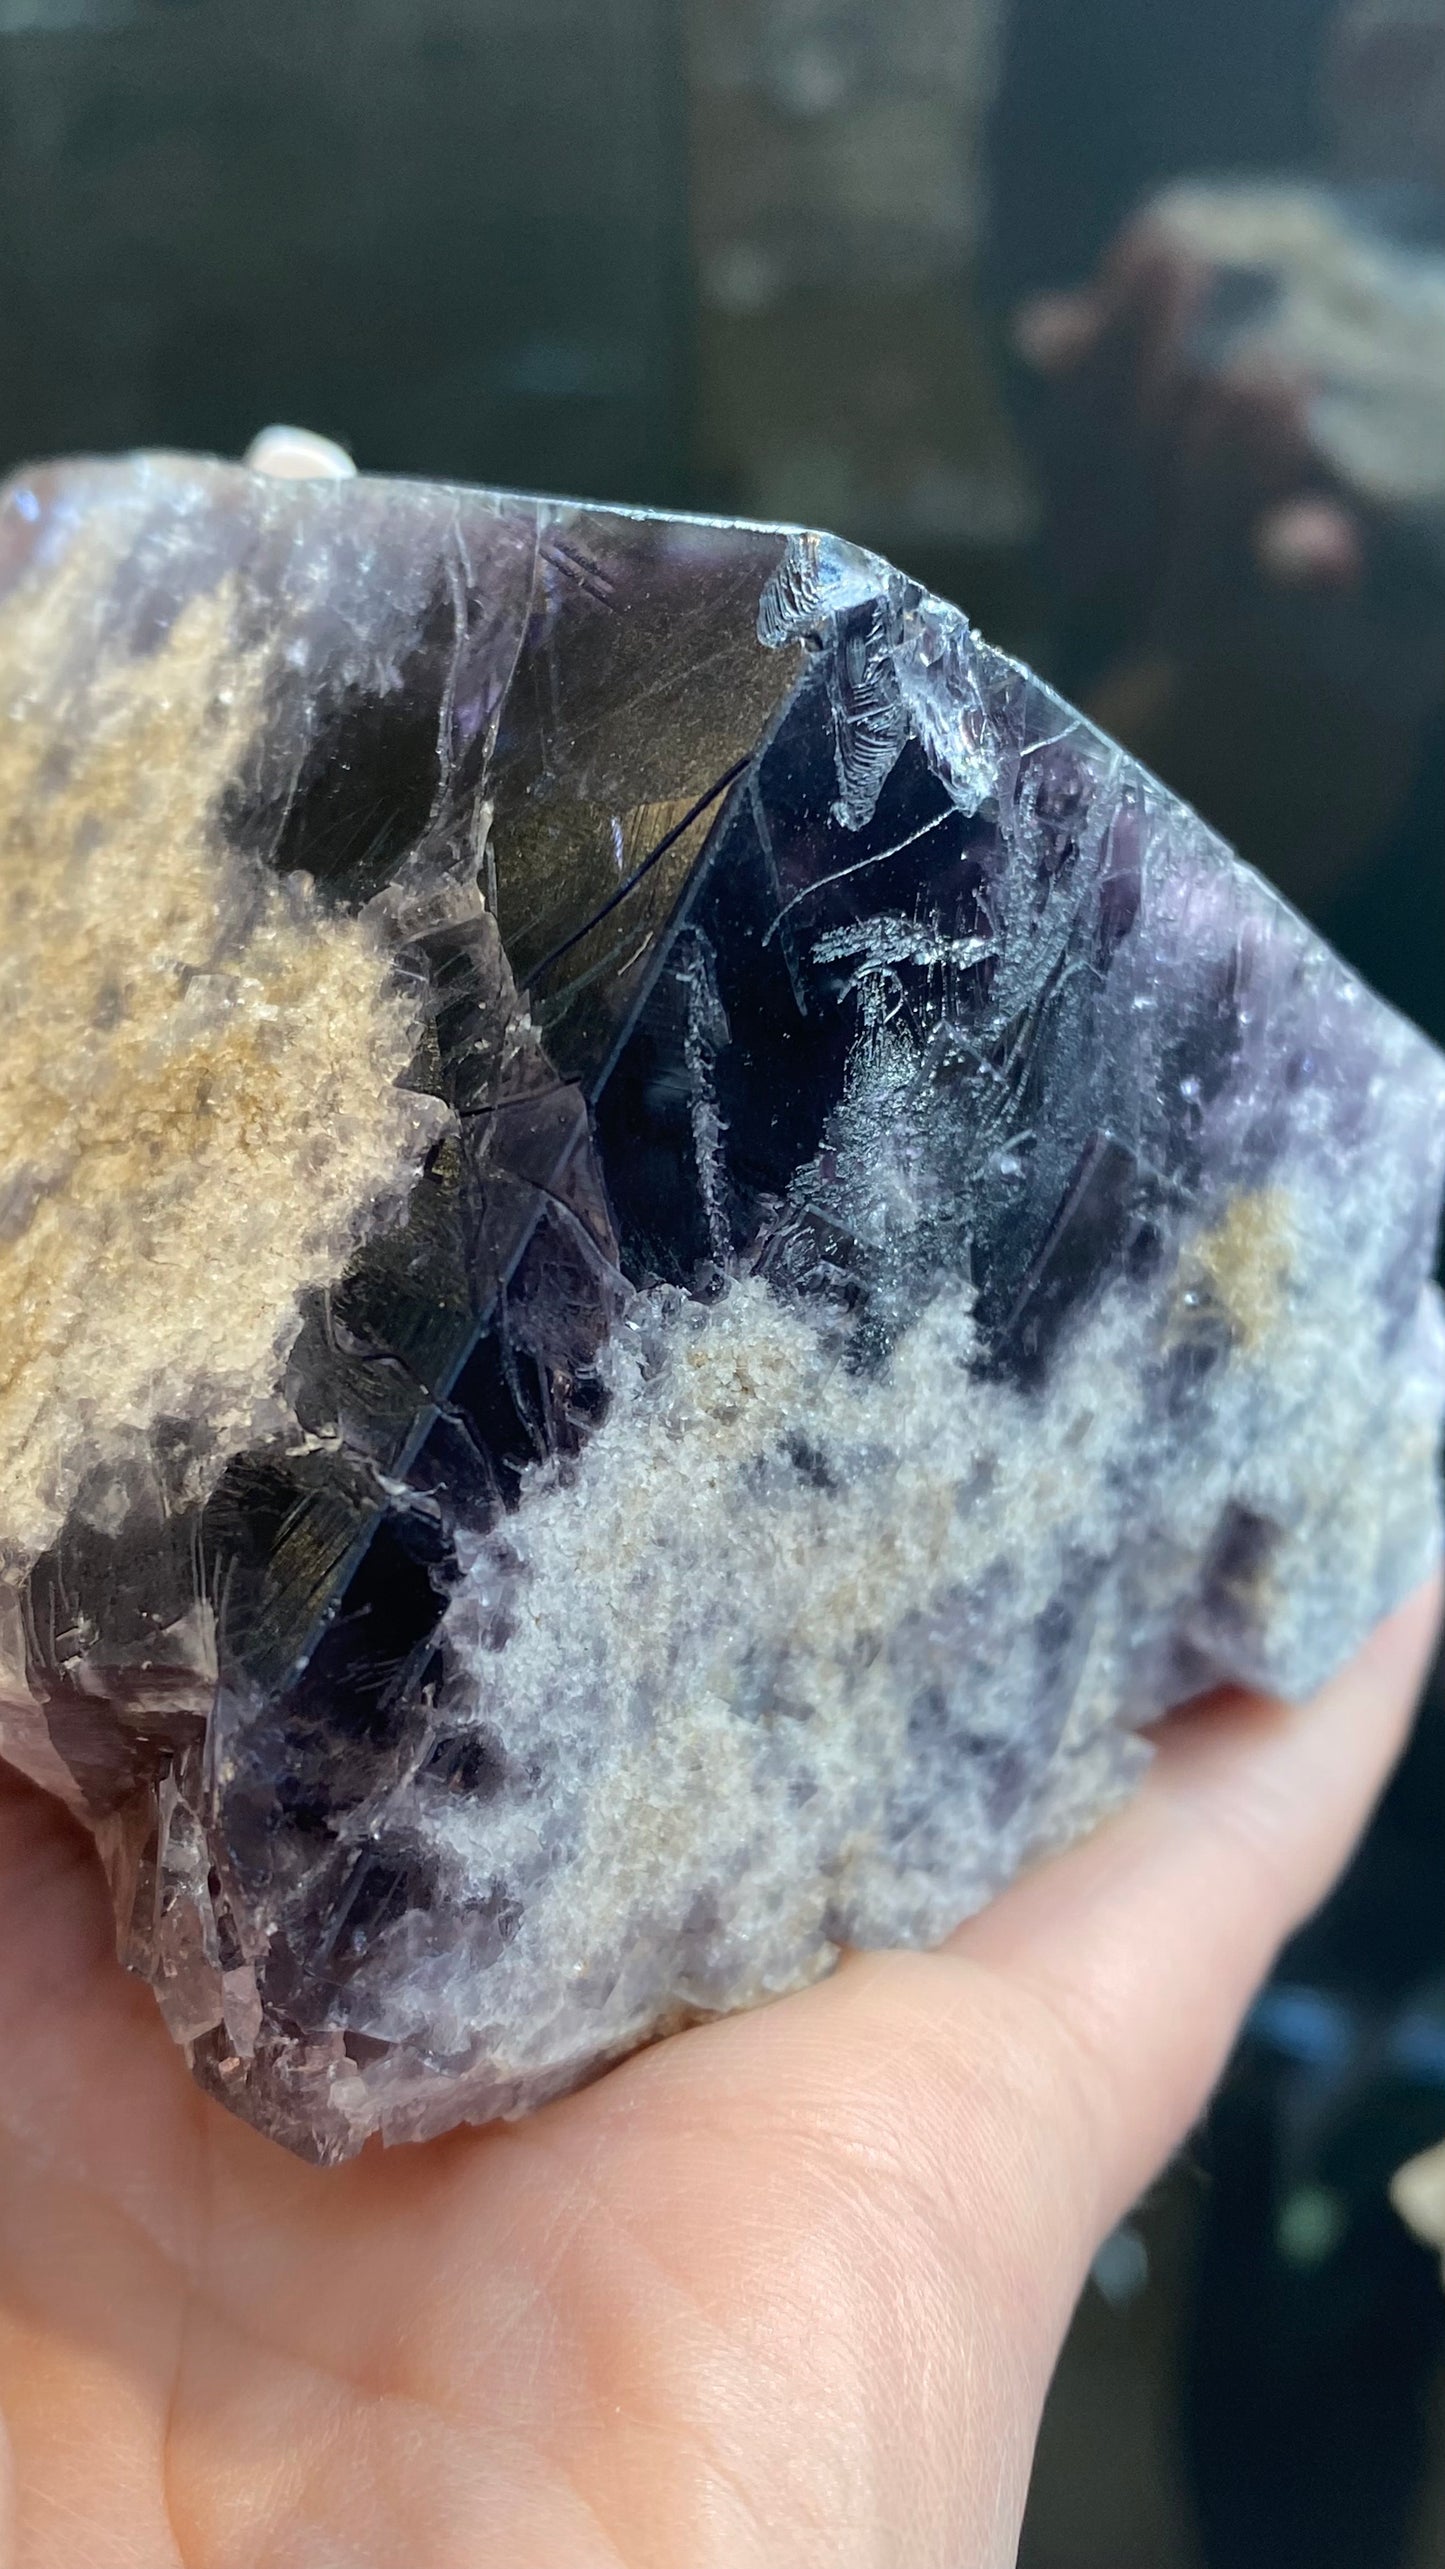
{"x": 668, "y": 1250}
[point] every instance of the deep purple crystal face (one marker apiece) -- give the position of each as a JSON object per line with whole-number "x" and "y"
{"x": 726, "y": 1248}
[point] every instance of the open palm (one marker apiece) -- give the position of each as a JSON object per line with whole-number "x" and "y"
{"x": 784, "y": 2290}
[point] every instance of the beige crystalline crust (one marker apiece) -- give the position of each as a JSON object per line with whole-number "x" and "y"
{"x": 198, "y": 1102}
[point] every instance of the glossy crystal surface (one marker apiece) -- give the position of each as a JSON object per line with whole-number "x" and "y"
{"x": 669, "y": 1250}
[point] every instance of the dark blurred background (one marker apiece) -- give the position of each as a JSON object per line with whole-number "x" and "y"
{"x": 1122, "y": 322}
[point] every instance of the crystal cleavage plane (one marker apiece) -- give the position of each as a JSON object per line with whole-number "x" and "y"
{"x": 669, "y": 1251}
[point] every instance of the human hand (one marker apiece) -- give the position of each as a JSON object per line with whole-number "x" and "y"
{"x": 786, "y": 2290}
{"x": 1251, "y": 627}
{"x": 1177, "y": 481}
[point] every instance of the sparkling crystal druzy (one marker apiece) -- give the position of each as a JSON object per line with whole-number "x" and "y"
{"x": 668, "y": 1250}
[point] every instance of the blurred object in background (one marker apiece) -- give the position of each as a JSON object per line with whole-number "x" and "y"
{"x": 844, "y": 376}
{"x": 450, "y": 233}
{"x": 1311, "y": 2387}
{"x": 1109, "y": 2487}
{"x": 1239, "y": 419}
{"x": 1101, "y": 106}
{"x": 1245, "y": 456}
{"x": 1418, "y": 2195}
{"x": 1385, "y": 92}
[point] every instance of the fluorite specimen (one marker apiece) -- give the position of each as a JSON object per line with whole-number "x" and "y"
{"x": 668, "y": 1251}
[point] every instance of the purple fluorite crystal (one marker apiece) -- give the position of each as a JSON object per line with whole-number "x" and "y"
{"x": 669, "y": 1251}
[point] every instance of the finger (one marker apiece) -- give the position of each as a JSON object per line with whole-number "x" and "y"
{"x": 1150, "y": 295}
{"x": 1310, "y": 543}
{"x": 1054, "y": 333}
{"x": 1241, "y": 450}
{"x": 299, "y": 455}
{"x": 1145, "y": 1944}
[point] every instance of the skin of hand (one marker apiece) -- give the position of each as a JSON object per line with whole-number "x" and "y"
{"x": 785, "y": 2290}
